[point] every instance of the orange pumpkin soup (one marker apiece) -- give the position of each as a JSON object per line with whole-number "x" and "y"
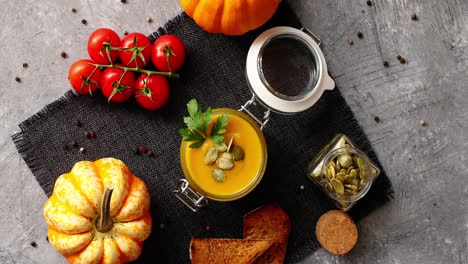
{"x": 245, "y": 172}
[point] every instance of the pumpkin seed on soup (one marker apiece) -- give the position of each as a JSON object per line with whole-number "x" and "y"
{"x": 218, "y": 175}
{"x": 211, "y": 156}
{"x": 225, "y": 163}
{"x": 221, "y": 147}
{"x": 237, "y": 152}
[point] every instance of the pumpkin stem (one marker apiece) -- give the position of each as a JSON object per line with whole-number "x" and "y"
{"x": 104, "y": 222}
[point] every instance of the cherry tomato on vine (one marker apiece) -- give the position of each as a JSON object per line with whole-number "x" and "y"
{"x": 96, "y": 44}
{"x": 168, "y": 53}
{"x": 114, "y": 90}
{"x": 152, "y": 93}
{"x": 84, "y": 77}
{"x": 138, "y": 50}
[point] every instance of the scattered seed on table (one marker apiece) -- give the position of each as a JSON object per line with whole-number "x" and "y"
{"x": 149, "y": 153}
{"x": 360, "y": 35}
{"x": 78, "y": 123}
{"x": 18, "y": 79}
{"x": 144, "y": 149}
{"x": 64, "y": 55}
{"x": 123, "y": 1}
{"x": 73, "y": 143}
{"x": 33, "y": 244}
{"x": 86, "y": 134}
{"x": 414, "y": 16}
{"x": 149, "y": 19}
{"x": 47, "y": 238}
{"x": 422, "y": 123}
{"x": 350, "y": 42}
{"x": 82, "y": 150}
{"x": 398, "y": 57}
{"x": 376, "y": 119}
{"x": 402, "y": 61}
{"x": 25, "y": 65}
{"x": 125, "y": 32}
{"x": 369, "y": 3}
{"x": 92, "y": 134}
{"x": 84, "y": 22}
{"x": 135, "y": 151}
{"x": 73, "y": 10}
{"x": 385, "y": 63}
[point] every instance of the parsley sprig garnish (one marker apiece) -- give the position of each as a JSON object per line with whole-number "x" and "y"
{"x": 197, "y": 123}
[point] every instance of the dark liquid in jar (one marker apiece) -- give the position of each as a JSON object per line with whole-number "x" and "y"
{"x": 289, "y": 67}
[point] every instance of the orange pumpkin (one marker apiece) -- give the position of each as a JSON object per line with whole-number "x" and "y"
{"x": 230, "y": 17}
{"x": 99, "y": 213}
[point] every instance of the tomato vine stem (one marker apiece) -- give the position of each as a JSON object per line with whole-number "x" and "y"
{"x": 136, "y": 69}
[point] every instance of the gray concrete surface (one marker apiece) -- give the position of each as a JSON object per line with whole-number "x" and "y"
{"x": 427, "y": 222}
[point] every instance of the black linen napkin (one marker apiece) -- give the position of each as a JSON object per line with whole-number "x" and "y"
{"x": 214, "y": 73}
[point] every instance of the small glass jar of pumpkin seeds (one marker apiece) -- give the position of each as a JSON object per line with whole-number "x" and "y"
{"x": 343, "y": 172}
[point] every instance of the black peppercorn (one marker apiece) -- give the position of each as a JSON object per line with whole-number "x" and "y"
{"x": 369, "y": 3}
{"x": 18, "y": 79}
{"x": 402, "y": 61}
{"x": 360, "y": 35}
{"x": 84, "y": 22}
{"x": 63, "y": 55}
{"x": 376, "y": 119}
{"x": 414, "y": 16}
{"x": 25, "y": 65}
{"x": 385, "y": 63}
{"x": 33, "y": 244}
{"x": 123, "y": 1}
{"x": 398, "y": 57}
{"x": 73, "y": 10}
{"x": 73, "y": 143}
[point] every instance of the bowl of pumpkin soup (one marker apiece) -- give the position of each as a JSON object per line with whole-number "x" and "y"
{"x": 227, "y": 169}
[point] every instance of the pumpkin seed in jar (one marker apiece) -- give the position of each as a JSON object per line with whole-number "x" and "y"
{"x": 337, "y": 186}
{"x": 225, "y": 163}
{"x": 350, "y": 192}
{"x": 359, "y": 162}
{"x": 338, "y": 166}
{"x": 218, "y": 175}
{"x": 340, "y": 178}
{"x": 237, "y": 152}
{"x": 221, "y": 147}
{"x": 341, "y": 174}
{"x": 345, "y": 160}
{"x": 351, "y": 187}
{"x": 353, "y": 173}
{"x": 332, "y": 171}
{"x": 211, "y": 156}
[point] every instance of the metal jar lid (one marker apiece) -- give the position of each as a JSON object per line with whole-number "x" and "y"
{"x": 286, "y": 70}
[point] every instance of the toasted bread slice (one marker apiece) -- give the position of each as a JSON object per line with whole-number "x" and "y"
{"x": 336, "y": 232}
{"x": 227, "y": 251}
{"x": 269, "y": 222}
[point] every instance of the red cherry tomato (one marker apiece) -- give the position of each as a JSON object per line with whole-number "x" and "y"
{"x": 168, "y": 46}
{"x": 95, "y": 45}
{"x": 112, "y": 89}
{"x": 140, "y": 54}
{"x": 152, "y": 93}
{"x": 79, "y": 76}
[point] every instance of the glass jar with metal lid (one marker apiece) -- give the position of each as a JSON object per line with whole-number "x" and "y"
{"x": 286, "y": 73}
